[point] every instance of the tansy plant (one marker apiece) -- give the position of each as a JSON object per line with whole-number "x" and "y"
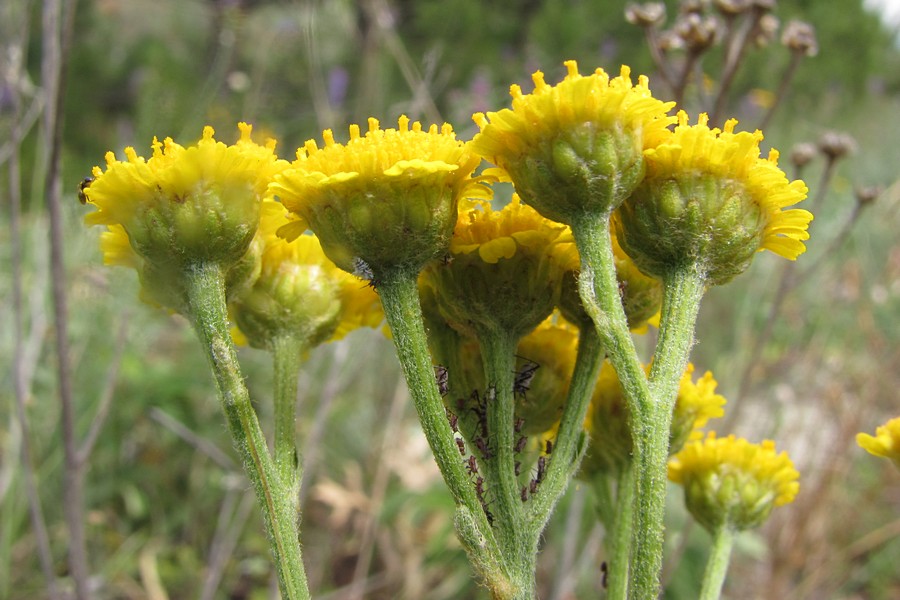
{"x": 193, "y": 223}
{"x": 623, "y": 215}
{"x": 731, "y": 485}
{"x": 690, "y": 207}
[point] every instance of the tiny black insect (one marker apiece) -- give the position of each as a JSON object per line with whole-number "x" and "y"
{"x": 362, "y": 270}
{"x": 532, "y": 487}
{"x": 518, "y": 468}
{"x": 520, "y": 422}
{"x": 524, "y": 493}
{"x": 483, "y": 447}
{"x": 549, "y": 447}
{"x": 85, "y": 184}
{"x": 479, "y": 488}
{"x": 520, "y": 445}
{"x": 489, "y": 516}
{"x": 454, "y": 421}
{"x": 604, "y": 569}
{"x": 461, "y": 445}
{"x": 442, "y": 376}
{"x": 472, "y": 465}
{"x": 541, "y": 469}
{"x": 524, "y": 376}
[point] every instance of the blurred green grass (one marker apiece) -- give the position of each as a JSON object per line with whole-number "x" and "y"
{"x": 159, "y": 501}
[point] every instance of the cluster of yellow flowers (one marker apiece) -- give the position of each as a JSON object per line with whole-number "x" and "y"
{"x": 408, "y": 199}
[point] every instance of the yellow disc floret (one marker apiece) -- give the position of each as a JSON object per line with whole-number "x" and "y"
{"x": 577, "y": 146}
{"x": 696, "y": 404}
{"x": 731, "y": 482}
{"x": 504, "y": 272}
{"x": 384, "y": 199}
{"x": 299, "y": 292}
{"x": 709, "y": 199}
{"x": 182, "y": 206}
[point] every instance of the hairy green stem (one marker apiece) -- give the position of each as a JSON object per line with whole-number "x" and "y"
{"x": 599, "y": 291}
{"x": 717, "y": 565}
{"x": 287, "y": 350}
{"x": 620, "y": 550}
{"x": 205, "y": 286}
{"x": 498, "y": 351}
{"x": 683, "y": 289}
{"x": 400, "y": 299}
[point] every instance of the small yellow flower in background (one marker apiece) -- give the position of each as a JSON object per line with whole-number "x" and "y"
{"x": 696, "y": 404}
{"x": 607, "y": 425}
{"x": 551, "y": 350}
{"x": 607, "y": 418}
{"x": 183, "y": 206}
{"x": 576, "y": 146}
{"x": 709, "y": 199}
{"x": 505, "y": 270}
{"x": 383, "y": 200}
{"x": 885, "y": 442}
{"x": 299, "y": 291}
{"x": 731, "y": 482}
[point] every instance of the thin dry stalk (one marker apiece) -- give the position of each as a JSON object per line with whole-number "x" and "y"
{"x": 106, "y": 395}
{"x": 57, "y": 28}
{"x": 20, "y": 376}
{"x": 229, "y": 526}
{"x": 783, "y": 87}
{"x": 735, "y": 50}
{"x": 185, "y": 433}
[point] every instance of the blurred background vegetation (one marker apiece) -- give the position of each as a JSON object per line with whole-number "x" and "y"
{"x": 168, "y": 512}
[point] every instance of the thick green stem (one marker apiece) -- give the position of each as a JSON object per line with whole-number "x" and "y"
{"x": 498, "y": 351}
{"x": 287, "y": 350}
{"x": 620, "y": 550}
{"x": 683, "y": 289}
{"x": 400, "y": 299}
{"x": 599, "y": 291}
{"x": 570, "y": 443}
{"x": 717, "y": 566}
{"x": 206, "y": 300}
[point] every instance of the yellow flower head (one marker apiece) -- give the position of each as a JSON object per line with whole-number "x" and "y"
{"x": 607, "y": 419}
{"x": 504, "y": 272}
{"x": 708, "y": 198}
{"x": 577, "y": 146}
{"x": 185, "y": 204}
{"x": 383, "y": 200}
{"x": 182, "y": 206}
{"x": 696, "y": 404}
{"x": 299, "y": 291}
{"x": 886, "y": 441}
{"x": 731, "y": 482}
